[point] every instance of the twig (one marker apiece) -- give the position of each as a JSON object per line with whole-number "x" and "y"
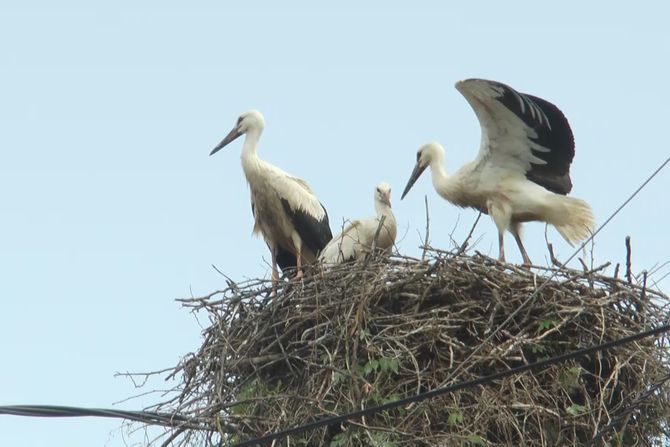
{"x": 629, "y": 274}
{"x": 555, "y": 262}
{"x": 426, "y": 240}
{"x": 464, "y": 245}
{"x": 373, "y": 247}
{"x": 175, "y": 434}
{"x": 643, "y": 297}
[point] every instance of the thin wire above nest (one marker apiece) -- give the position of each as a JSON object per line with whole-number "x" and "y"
{"x": 372, "y": 332}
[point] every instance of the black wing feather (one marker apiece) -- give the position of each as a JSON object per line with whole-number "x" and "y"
{"x": 286, "y": 260}
{"x": 553, "y": 132}
{"x": 315, "y": 233}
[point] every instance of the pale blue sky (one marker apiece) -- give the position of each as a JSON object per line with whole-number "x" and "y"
{"x": 111, "y": 206}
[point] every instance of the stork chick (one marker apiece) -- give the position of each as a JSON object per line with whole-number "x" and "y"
{"x": 522, "y": 171}
{"x": 358, "y": 237}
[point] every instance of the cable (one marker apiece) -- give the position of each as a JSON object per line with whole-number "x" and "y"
{"x": 481, "y": 381}
{"x": 165, "y": 419}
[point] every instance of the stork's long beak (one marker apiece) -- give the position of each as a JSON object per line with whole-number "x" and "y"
{"x": 416, "y": 173}
{"x": 386, "y": 199}
{"x": 230, "y": 137}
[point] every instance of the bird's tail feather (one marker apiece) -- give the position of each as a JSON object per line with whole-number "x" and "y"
{"x": 572, "y": 217}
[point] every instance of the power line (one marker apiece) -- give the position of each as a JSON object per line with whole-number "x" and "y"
{"x": 481, "y": 381}
{"x": 147, "y": 417}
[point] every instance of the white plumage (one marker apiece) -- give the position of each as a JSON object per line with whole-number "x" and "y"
{"x": 286, "y": 211}
{"x": 522, "y": 170}
{"x": 357, "y": 238}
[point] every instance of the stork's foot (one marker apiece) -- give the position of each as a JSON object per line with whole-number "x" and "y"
{"x": 299, "y": 275}
{"x": 273, "y": 290}
{"x": 275, "y": 280}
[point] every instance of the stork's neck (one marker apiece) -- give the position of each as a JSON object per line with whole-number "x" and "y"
{"x": 382, "y": 209}
{"x": 441, "y": 180}
{"x": 250, "y": 160}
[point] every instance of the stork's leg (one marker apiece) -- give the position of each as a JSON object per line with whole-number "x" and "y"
{"x": 297, "y": 244}
{"x": 298, "y": 262}
{"x": 501, "y": 214}
{"x": 501, "y": 246}
{"x": 515, "y": 229}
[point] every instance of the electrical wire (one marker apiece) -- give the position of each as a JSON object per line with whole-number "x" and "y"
{"x": 148, "y": 417}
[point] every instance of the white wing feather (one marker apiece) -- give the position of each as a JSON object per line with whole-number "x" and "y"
{"x": 356, "y": 240}
{"x": 505, "y": 137}
{"x": 294, "y": 190}
{"x": 344, "y": 246}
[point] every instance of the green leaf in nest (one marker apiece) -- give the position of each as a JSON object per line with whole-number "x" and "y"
{"x": 576, "y": 410}
{"x": 476, "y": 440}
{"x": 455, "y": 418}
{"x": 545, "y": 324}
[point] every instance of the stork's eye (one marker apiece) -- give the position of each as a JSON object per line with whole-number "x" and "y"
{"x": 239, "y": 120}
{"x": 418, "y": 156}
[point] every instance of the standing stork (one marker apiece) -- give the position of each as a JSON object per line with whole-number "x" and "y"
{"x": 522, "y": 171}
{"x": 358, "y": 238}
{"x": 291, "y": 219}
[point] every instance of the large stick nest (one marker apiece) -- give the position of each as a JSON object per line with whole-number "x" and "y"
{"x": 373, "y": 332}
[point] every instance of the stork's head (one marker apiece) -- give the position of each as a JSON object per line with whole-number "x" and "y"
{"x": 249, "y": 121}
{"x": 427, "y": 154}
{"x": 383, "y": 194}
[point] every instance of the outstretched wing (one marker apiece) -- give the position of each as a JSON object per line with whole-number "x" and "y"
{"x": 521, "y": 132}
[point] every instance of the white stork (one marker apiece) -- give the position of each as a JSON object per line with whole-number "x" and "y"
{"x": 287, "y": 213}
{"x": 357, "y": 238}
{"x": 522, "y": 171}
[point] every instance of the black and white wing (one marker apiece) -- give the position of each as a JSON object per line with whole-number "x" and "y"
{"x": 314, "y": 230}
{"x": 285, "y": 259}
{"x": 308, "y": 216}
{"x": 521, "y": 132}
